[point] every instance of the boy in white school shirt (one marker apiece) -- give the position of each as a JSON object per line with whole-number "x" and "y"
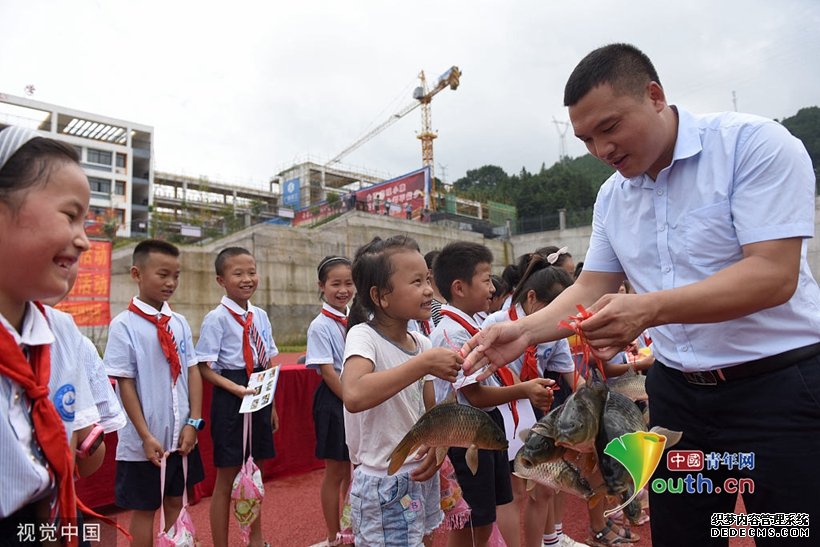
{"x": 235, "y": 340}
{"x": 150, "y": 351}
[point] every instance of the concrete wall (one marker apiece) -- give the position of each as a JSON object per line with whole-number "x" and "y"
{"x": 287, "y": 259}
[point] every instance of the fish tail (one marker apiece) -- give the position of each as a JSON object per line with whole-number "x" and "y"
{"x": 400, "y": 453}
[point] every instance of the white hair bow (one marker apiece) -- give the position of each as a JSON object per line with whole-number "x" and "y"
{"x": 552, "y": 258}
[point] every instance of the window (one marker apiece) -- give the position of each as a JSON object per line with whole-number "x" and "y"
{"x": 99, "y": 186}
{"x": 121, "y": 160}
{"x": 100, "y": 157}
{"x": 119, "y": 188}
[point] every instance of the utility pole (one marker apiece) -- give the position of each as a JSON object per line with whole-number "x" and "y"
{"x": 734, "y": 100}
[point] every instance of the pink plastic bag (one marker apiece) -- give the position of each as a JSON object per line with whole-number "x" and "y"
{"x": 248, "y": 490}
{"x": 182, "y": 533}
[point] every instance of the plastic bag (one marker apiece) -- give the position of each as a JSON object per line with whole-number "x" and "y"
{"x": 248, "y": 490}
{"x": 182, "y": 533}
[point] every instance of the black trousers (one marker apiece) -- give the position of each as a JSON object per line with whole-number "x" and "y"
{"x": 776, "y": 416}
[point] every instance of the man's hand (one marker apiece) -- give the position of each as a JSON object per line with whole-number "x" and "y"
{"x": 494, "y": 347}
{"x": 617, "y": 320}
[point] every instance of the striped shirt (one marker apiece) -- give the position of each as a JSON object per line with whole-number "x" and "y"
{"x": 112, "y": 416}
{"x": 220, "y": 336}
{"x": 24, "y": 477}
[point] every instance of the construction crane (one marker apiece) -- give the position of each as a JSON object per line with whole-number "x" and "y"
{"x": 422, "y": 96}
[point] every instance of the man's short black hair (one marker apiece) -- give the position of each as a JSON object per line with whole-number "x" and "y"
{"x": 623, "y": 66}
{"x": 458, "y": 260}
{"x": 225, "y": 254}
{"x": 148, "y": 246}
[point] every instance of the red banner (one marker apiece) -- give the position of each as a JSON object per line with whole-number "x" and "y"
{"x": 392, "y": 196}
{"x": 88, "y": 300}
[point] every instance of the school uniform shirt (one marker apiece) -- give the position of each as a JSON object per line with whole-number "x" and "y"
{"x": 450, "y": 334}
{"x": 24, "y": 477}
{"x": 133, "y": 351}
{"x": 72, "y": 346}
{"x": 372, "y": 434}
{"x": 325, "y": 341}
{"x": 735, "y": 179}
{"x": 220, "y": 336}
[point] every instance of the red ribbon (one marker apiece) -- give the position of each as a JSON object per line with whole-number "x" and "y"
{"x": 571, "y": 323}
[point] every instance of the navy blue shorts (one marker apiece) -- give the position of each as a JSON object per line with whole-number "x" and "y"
{"x": 227, "y": 426}
{"x": 491, "y": 485}
{"x": 137, "y": 483}
{"x": 329, "y": 424}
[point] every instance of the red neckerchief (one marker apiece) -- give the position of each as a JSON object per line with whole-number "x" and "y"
{"x": 49, "y": 431}
{"x": 503, "y": 374}
{"x": 529, "y": 370}
{"x": 338, "y": 318}
{"x": 426, "y": 329}
{"x": 247, "y": 352}
{"x": 165, "y": 336}
{"x": 471, "y": 329}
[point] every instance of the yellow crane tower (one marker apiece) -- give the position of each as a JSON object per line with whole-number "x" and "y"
{"x": 422, "y": 97}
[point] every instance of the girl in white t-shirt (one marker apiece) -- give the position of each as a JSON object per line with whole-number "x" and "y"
{"x": 325, "y": 351}
{"x": 384, "y": 368}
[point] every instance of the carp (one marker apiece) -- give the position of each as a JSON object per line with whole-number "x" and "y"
{"x": 447, "y": 425}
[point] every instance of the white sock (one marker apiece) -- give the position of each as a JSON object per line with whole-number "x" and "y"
{"x": 550, "y": 539}
{"x": 559, "y": 530}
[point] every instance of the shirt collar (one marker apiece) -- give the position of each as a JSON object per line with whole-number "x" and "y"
{"x": 35, "y": 330}
{"x": 234, "y": 307}
{"x": 470, "y": 319}
{"x": 334, "y": 311}
{"x": 149, "y": 309}
{"x": 687, "y": 144}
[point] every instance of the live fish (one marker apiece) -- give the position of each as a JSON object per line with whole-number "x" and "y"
{"x": 447, "y": 425}
{"x": 558, "y": 474}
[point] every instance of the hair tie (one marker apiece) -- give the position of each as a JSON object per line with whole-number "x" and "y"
{"x": 324, "y": 263}
{"x": 552, "y": 258}
{"x": 12, "y": 139}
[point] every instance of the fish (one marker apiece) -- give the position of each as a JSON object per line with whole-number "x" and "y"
{"x": 450, "y": 425}
{"x": 539, "y": 441}
{"x": 630, "y": 384}
{"x": 577, "y": 425}
{"x": 558, "y": 474}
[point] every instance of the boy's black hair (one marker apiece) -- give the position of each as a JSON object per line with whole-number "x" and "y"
{"x": 623, "y": 66}
{"x": 430, "y": 258}
{"x": 499, "y": 285}
{"x": 148, "y": 246}
{"x": 547, "y": 281}
{"x": 372, "y": 267}
{"x": 511, "y": 276}
{"x": 225, "y": 254}
{"x": 458, "y": 260}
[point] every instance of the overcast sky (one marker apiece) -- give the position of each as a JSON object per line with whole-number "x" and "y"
{"x": 238, "y": 91}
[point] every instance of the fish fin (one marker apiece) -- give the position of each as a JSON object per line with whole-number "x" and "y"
{"x": 531, "y": 487}
{"x": 523, "y": 434}
{"x": 400, "y": 453}
{"x": 450, "y": 398}
{"x": 634, "y": 495}
{"x": 672, "y": 437}
{"x": 441, "y": 453}
{"x": 472, "y": 458}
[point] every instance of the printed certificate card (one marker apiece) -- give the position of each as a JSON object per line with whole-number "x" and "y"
{"x": 263, "y": 384}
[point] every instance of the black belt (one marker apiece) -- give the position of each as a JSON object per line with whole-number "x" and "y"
{"x": 750, "y": 369}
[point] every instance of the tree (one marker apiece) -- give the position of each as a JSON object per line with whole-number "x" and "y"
{"x": 805, "y": 125}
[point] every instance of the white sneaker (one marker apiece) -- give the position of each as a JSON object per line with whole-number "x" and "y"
{"x": 567, "y": 541}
